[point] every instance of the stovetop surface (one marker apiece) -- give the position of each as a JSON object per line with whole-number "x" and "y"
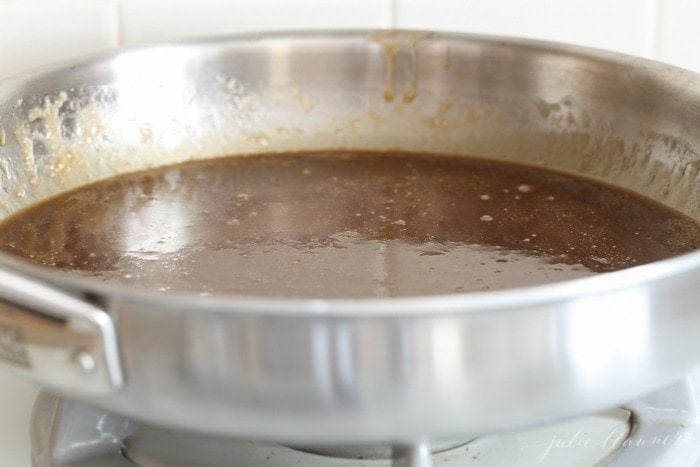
{"x": 568, "y": 443}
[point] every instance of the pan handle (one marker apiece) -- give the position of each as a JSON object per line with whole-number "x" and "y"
{"x": 55, "y": 338}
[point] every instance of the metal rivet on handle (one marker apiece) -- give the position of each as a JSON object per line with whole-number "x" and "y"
{"x": 84, "y": 360}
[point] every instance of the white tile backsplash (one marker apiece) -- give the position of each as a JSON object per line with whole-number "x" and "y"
{"x": 679, "y": 33}
{"x": 16, "y": 398}
{"x": 621, "y": 25}
{"x": 157, "y": 20}
{"x": 37, "y": 32}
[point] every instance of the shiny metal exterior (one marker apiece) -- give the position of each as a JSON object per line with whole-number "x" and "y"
{"x": 394, "y": 370}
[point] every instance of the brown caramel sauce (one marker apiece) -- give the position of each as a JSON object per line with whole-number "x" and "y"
{"x": 345, "y": 224}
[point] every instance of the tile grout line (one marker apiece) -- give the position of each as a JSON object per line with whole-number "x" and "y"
{"x": 119, "y": 23}
{"x": 654, "y": 23}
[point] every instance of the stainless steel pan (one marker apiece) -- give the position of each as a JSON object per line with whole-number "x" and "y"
{"x": 372, "y": 370}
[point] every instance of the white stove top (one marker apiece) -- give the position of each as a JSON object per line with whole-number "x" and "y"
{"x": 580, "y": 442}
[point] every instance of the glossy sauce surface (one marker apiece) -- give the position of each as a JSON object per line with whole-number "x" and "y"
{"x": 345, "y": 224}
